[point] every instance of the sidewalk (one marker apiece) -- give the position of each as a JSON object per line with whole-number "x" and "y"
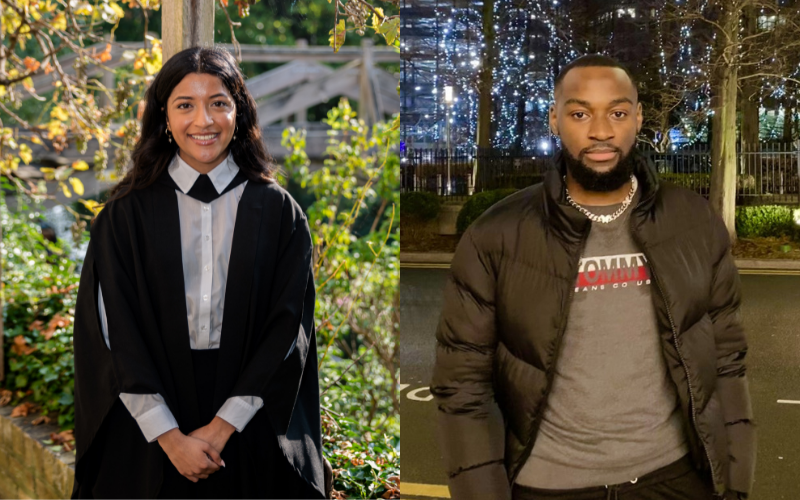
{"x": 442, "y": 259}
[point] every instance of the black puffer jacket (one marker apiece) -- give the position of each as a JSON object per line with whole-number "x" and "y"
{"x": 505, "y": 311}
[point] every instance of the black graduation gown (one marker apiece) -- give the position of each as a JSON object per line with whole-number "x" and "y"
{"x": 135, "y": 251}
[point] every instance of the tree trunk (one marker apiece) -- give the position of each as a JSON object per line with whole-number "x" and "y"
{"x": 723, "y": 146}
{"x": 485, "y": 102}
{"x": 185, "y": 24}
{"x": 788, "y": 122}
{"x": 748, "y": 102}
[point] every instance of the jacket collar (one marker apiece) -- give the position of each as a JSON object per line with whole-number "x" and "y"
{"x": 572, "y": 224}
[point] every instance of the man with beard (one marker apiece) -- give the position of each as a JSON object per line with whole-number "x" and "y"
{"x": 590, "y": 344}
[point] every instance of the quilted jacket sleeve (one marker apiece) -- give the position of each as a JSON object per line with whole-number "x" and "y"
{"x": 731, "y": 371}
{"x": 471, "y": 431}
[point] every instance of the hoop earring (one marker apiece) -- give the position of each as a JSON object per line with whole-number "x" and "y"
{"x": 169, "y": 137}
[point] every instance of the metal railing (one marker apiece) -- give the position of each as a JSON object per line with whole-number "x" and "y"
{"x": 461, "y": 174}
{"x": 766, "y": 173}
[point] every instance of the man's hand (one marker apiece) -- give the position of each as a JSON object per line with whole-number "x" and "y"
{"x": 195, "y": 459}
{"x": 215, "y": 433}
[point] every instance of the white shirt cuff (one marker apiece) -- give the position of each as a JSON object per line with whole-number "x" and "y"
{"x": 239, "y": 410}
{"x": 155, "y": 420}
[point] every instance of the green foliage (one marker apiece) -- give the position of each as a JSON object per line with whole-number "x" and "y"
{"x": 767, "y": 221}
{"x": 365, "y": 468}
{"x": 477, "y": 204}
{"x": 39, "y": 293}
{"x": 356, "y": 274}
{"x": 420, "y": 206}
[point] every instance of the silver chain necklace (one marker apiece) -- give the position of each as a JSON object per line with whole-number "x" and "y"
{"x": 605, "y": 219}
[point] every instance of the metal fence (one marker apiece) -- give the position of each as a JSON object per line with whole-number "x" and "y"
{"x": 457, "y": 175}
{"x": 766, "y": 173}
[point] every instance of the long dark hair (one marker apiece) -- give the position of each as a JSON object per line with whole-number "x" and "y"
{"x": 153, "y": 152}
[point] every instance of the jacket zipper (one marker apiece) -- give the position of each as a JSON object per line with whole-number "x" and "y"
{"x": 551, "y": 370}
{"x": 677, "y": 349}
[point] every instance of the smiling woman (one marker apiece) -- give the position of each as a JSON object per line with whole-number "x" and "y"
{"x": 198, "y": 92}
{"x": 202, "y": 406}
{"x": 201, "y": 117}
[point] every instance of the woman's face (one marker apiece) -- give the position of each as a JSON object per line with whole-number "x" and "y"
{"x": 201, "y": 116}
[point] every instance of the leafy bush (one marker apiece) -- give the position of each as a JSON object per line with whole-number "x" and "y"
{"x": 766, "y": 221}
{"x": 420, "y": 206}
{"x": 39, "y": 289}
{"x": 356, "y": 274}
{"x": 477, "y": 204}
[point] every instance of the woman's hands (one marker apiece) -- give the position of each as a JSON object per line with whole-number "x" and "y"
{"x": 215, "y": 433}
{"x": 194, "y": 458}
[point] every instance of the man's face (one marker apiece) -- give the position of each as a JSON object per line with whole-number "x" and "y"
{"x": 597, "y": 116}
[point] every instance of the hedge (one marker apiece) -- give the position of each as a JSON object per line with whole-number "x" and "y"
{"x": 420, "y": 206}
{"x": 477, "y": 204}
{"x": 766, "y": 221}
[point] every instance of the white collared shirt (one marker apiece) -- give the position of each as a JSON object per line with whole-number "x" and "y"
{"x": 206, "y": 237}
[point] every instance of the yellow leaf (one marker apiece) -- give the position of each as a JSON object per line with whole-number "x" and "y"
{"x": 117, "y": 9}
{"x": 2, "y": 90}
{"x": 337, "y": 40}
{"x": 59, "y": 22}
{"x": 77, "y": 185}
{"x": 25, "y": 153}
{"x": 35, "y": 139}
{"x": 84, "y": 9}
{"x": 11, "y": 164}
{"x": 390, "y": 30}
{"x": 65, "y": 189}
{"x": 59, "y": 113}
{"x": 92, "y": 205}
{"x": 377, "y": 18}
{"x": 55, "y": 128}
{"x": 80, "y": 165}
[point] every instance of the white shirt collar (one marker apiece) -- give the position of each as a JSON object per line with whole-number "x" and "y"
{"x": 185, "y": 176}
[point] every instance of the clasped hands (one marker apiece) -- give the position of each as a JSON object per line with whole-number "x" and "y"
{"x": 197, "y": 455}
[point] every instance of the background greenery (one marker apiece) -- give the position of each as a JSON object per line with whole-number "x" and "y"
{"x": 477, "y": 204}
{"x": 767, "y": 221}
{"x": 420, "y": 206}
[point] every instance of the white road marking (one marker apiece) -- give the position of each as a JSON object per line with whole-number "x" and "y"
{"x": 423, "y": 265}
{"x": 413, "y": 394}
{"x": 789, "y": 402}
{"x": 426, "y": 490}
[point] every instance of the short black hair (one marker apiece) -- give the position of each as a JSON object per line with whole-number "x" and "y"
{"x": 594, "y": 60}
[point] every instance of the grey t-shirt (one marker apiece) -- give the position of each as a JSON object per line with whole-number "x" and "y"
{"x": 612, "y": 414}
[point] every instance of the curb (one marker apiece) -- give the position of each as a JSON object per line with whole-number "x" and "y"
{"x": 28, "y": 468}
{"x": 742, "y": 264}
{"x": 425, "y": 258}
{"x": 771, "y": 264}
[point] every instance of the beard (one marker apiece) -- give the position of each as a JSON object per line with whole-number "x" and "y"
{"x": 602, "y": 182}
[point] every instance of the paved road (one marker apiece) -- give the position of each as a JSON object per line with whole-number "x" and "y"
{"x": 771, "y": 312}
